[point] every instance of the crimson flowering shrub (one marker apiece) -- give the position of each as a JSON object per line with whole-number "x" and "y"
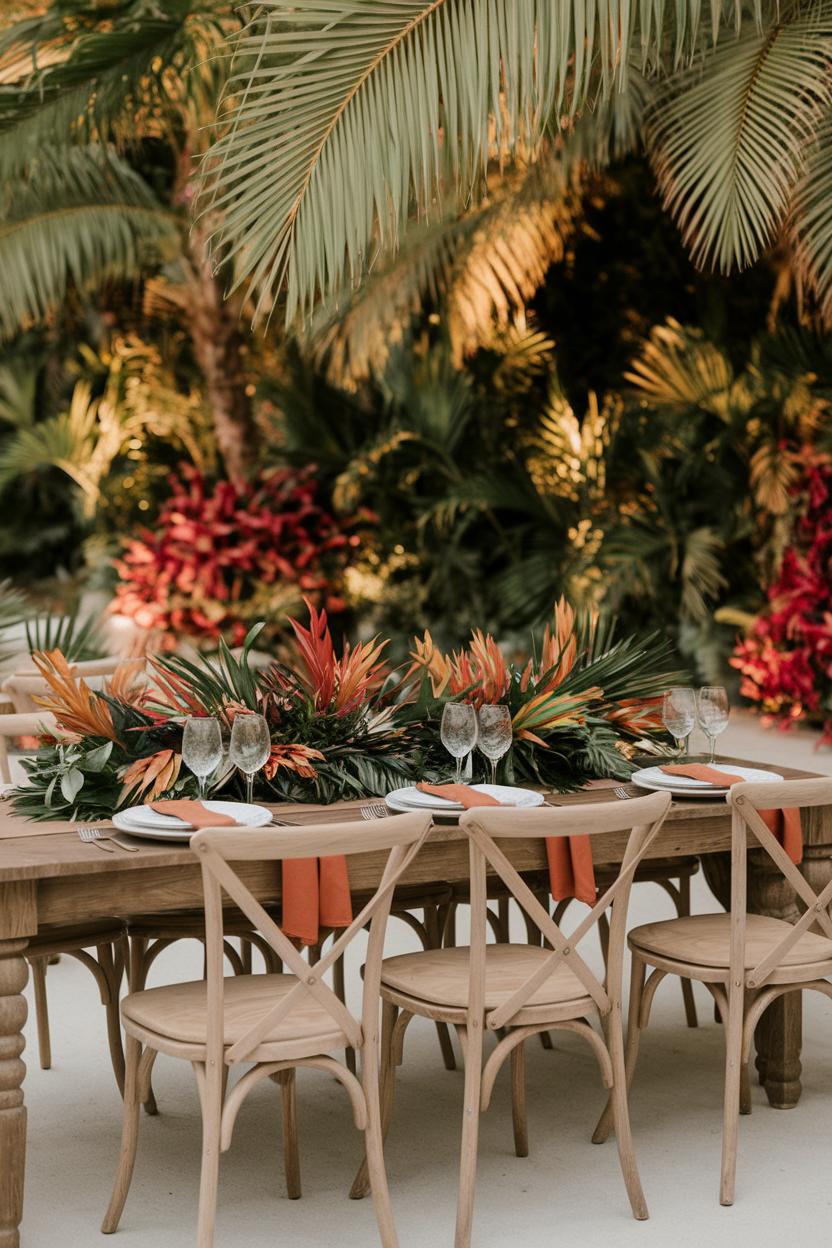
{"x": 786, "y": 659}
{"x": 222, "y": 555}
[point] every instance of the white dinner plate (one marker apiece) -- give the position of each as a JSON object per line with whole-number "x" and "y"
{"x": 411, "y": 798}
{"x": 658, "y": 781}
{"x": 176, "y": 829}
{"x": 241, "y": 812}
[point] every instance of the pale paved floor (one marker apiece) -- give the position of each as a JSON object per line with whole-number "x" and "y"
{"x": 566, "y": 1192}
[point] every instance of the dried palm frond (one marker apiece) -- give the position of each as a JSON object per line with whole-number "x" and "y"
{"x": 75, "y": 706}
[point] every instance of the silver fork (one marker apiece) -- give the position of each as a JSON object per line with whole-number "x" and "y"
{"x": 94, "y": 836}
{"x": 375, "y": 810}
{"x": 622, "y": 793}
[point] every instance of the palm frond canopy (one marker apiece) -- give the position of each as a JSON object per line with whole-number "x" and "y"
{"x": 74, "y": 73}
{"x": 81, "y": 214}
{"x": 811, "y": 222}
{"x": 344, "y": 118}
{"x": 728, "y": 140}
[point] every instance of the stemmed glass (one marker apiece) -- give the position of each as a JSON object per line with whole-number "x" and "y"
{"x": 250, "y": 746}
{"x": 202, "y": 749}
{"x": 458, "y": 732}
{"x": 679, "y": 715}
{"x": 494, "y": 734}
{"x": 712, "y": 705}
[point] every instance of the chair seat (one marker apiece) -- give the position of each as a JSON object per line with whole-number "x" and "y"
{"x": 441, "y": 977}
{"x": 178, "y": 1012}
{"x": 704, "y": 940}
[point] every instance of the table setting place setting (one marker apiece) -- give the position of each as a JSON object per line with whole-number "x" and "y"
{"x": 464, "y": 728}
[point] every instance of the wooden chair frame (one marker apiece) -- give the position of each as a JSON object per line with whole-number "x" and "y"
{"x": 516, "y": 1019}
{"x": 403, "y": 836}
{"x": 742, "y": 995}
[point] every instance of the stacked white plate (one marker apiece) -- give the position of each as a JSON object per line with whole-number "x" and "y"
{"x": 411, "y": 798}
{"x": 147, "y": 822}
{"x": 684, "y": 786}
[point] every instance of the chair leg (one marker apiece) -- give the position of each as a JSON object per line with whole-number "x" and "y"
{"x": 340, "y": 989}
{"x": 246, "y": 956}
{"x": 470, "y": 1137}
{"x": 434, "y": 934}
{"x": 38, "y": 966}
{"x": 137, "y": 968}
{"x": 518, "y": 1101}
{"x": 107, "y": 961}
{"x": 129, "y": 1138}
{"x": 637, "y": 975}
{"x": 389, "y": 1014}
{"x": 378, "y": 1119}
{"x": 621, "y": 1119}
{"x": 211, "y": 1103}
{"x": 683, "y": 910}
{"x": 731, "y": 1104}
{"x": 291, "y": 1156}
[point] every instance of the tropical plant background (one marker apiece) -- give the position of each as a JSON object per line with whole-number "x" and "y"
{"x": 568, "y": 334}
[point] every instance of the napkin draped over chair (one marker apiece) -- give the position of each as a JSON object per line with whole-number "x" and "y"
{"x": 783, "y": 824}
{"x": 315, "y": 891}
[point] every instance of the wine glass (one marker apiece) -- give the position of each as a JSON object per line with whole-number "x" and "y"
{"x": 713, "y": 709}
{"x": 679, "y": 714}
{"x": 494, "y": 734}
{"x": 458, "y": 732}
{"x": 250, "y": 747}
{"x": 202, "y": 749}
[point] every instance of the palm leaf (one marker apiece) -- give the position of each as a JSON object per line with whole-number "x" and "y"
{"x": 811, "y": 221}
{"x": 728, "y": 142}
{"x": 417, "y": 95}
{"x": 80, "y": 216}
{"x": 679, "y": 368}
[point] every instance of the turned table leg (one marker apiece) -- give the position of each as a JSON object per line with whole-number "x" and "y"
{"x": 13, "y": 975}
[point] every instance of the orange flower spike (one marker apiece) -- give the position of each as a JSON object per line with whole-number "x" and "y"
{"x": 296, "y": 758}
{"x": 157, "y": 773}
{"x": 525, "y": 679}
{"x": 72, "y": 702}
{"x": 491, "y": 666}
{"x": 317, "y": 653}
{"x": 359, "y": 672}
{"x": 426, "y": 657}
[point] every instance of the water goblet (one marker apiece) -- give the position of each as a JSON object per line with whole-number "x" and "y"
{"x": 679, "y": 714}
{"x": 713, "y": 709}
{"x": 494, "y": 734}
{"x": 458, "y": 732}
{"x": 202, "y": 749}
{"x": 250, "y": 746}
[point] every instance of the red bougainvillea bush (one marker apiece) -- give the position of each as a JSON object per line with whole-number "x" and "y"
{"x": 222, "y": 555}
{"x": 786, "y": 658}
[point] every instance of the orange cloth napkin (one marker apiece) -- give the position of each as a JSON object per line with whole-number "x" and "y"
{"x": 462, "y": 793}
{"x": 571, "y": 873}
{"x": 783, "y": 824}
{"x": 316, "y": 894}
{"x": 192, "y": 812}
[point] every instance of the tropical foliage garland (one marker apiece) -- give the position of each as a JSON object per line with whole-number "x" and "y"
{"x": 342, "y": 724}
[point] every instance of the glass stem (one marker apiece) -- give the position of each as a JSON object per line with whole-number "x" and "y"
{"x": 713, "y": 749}
{"x": 493, "y": 771}
{"x": 249, "y": 787}
{"x": 458, "y": 770}
{"x": 202, "y": 783}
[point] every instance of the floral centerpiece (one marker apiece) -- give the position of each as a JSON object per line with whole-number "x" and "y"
{"x": 342, "y": 723}
{"x": 222, "y": 556}
{"x": 785, "y": 659}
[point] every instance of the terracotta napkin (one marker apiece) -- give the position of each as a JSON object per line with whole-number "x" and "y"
{"x": 783, "y": 824}
{"x": 701, "y": 771}
{"x": 192, "y": 812}
{"x": 462, "y": 793}
{"x": 315, "y": 897}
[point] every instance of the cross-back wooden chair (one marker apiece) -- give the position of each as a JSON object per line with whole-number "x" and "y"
{"x": 275, "y": 1021}
{"x": 745, "y": 960}
{"x": 520, "y": 990}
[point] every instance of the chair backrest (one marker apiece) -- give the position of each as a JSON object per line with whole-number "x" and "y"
{"x": 401, "y": 835}
{"x": 747, "y": 801}
{"x": 642, "y": 817}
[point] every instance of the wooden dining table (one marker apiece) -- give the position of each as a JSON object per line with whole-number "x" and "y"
{"x": 48, "y": 876}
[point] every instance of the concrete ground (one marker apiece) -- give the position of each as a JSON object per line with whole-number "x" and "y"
{"x": 566, "y": 1191}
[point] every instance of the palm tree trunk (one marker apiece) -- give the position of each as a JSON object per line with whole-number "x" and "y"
{"x": 213, "y": 324}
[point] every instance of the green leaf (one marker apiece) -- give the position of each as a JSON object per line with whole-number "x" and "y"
{"x": 728, "y": 140}
{"x": 72, "y": 782}
{"x": 811, "y": 222}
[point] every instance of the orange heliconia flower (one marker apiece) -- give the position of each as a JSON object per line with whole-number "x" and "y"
{"x": 341, "y": 683}
{"x": 296, "y": 758}
{"x": 152, "y": 775}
